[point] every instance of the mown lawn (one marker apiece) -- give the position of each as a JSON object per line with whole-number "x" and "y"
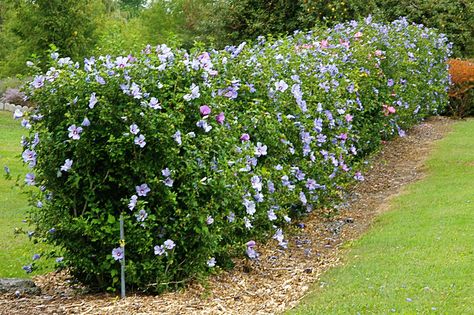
{"x": 419, "y": 257}
{"x": 15, "y": 250}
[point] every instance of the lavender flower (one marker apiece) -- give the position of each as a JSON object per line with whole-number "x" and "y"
{"x": 133, "y": 202}
{"x": 249, "y": 206}
{"x": 251, "y": 253}
{"x": 211, "y": 262}
{"x": 169, "y": 182}
{"x": 209, "y": 220}
{"x": 141, "y": 215}
{"x": 27, "y": 268}
{"x": 159, "y": 250}
{"x": 169, "y": 244}
{"x": 117, "y": 253}
{"x": 281, "y": 86}
{"x": 177, "y": 137}
{"x": 92, "y": 101}
{"x": 85, "y": 122}
{"x": 67, "y": 165}
{"x": 194, "y": 93}
{"x": 203, "y": 124}
{"x": 154, "y": 103}
{"x": 74, "y": 132}
{"x": 29, "y": 156}
{"x": 140, "y": 141}
{"x": 271, "y": 215}
{"x": 260, "y": 150}
{"x": 256, "y": 183}
{"x": 358, "y": 176}
{"x": 135, "y": 91}
{"x": 38, "y": 81}
{"x": 17, "y": 114}
{"x": 142, "y": 190}
{"x": 134, "y": 129}
{"x": 245, "y": 137}
{"x": 36, "y": 256}
{"x": 30, "y": 179}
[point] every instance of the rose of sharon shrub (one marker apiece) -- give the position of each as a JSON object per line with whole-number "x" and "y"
{"x": 207, "y": 153}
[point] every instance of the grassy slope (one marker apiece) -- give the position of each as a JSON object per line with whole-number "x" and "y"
{"x": 419, "y": 257}
{"x": 15, "y": 251}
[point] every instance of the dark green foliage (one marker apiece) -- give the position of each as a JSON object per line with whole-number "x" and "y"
{"x": 452, "y": 17}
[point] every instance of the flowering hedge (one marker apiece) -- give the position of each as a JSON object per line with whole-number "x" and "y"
{"x": 205, "y": 152}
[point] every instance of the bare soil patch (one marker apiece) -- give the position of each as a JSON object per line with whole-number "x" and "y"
{"x": 280, "y": 278}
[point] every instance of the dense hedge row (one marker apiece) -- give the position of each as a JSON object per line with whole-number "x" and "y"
{"x": 206, "y": 152}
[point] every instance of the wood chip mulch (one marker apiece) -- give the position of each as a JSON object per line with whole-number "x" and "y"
{"x": 280, "y": 278}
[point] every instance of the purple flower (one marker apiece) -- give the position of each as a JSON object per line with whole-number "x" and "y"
{"x": 134, "y": 129}
{"x": 39, "y": 204}
{"x": 159, "y": 250}
{"x": 245, "y": 137}
{"x": 194, "y": 93}
{"x": 169, "y": 244}
{"x": 220, "y": 118}
{"x": 271, "y": 215}
{"x": 59, "y": 259}
{"x": 169, "y": 182}
{"x": 154, "y": 103}
{"x": 281, "y": 86}
{"x": 26, "y": 124}
{"x": 141, "y": 216}
{"x": 142, "y": 190}
{"x": 17, "y": 114}
{"x": 140, "y": 141}
{"x": 211, "y": 262}
{"x": 166, "y": 172}
{"x": 74, "y": 132}
{"x": 303, "y": 199}
{"x": 251, "y": 253}
{"x": 38, "y": 81}
{"x": 256, "y": 183}
{"x": 390, "y": 82}
{"x": 260, "y": 150}
{"x": 86, "y": 122}
{"x": 29, "y": 156}
{"x": 249, "y": 206}
{"x": 258, "y": 197}
{"x": 177, "y": 137}
{"x": 358, "y": 176}
{"x": 209, "y": 220}
{"x": 135, "y": 91}
{"x": 133, "y": 202}
{"x": 36, "y": 256}
{"x": 92, "y": 101}
{"x": 100, "y": 79}
{"x": 117, "y": 253}
{"x": 203, "y": 124}
{"x": 67, "y": 165}
{"x": 271, "y": 187}
{"x": 30, "y": 179}
{"x": 205, "y": 110}
{"x": 27, "y": 268}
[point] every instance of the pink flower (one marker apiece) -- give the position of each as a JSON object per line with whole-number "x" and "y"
{"x": 324, "y": 43}
{"x": 349, "y": 117}
{"x": 358, "y": 35}
{"x": 204, "y": 110}
{"x": 245, "y": 137}
{"x": 220, "y": 118}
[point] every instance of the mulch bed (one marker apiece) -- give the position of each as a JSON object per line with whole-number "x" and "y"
{"x": 280, "y": 278}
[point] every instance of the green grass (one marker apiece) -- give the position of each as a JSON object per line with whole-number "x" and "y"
{"x": 15, "y": 250}
{"x": 418, "y": 258}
